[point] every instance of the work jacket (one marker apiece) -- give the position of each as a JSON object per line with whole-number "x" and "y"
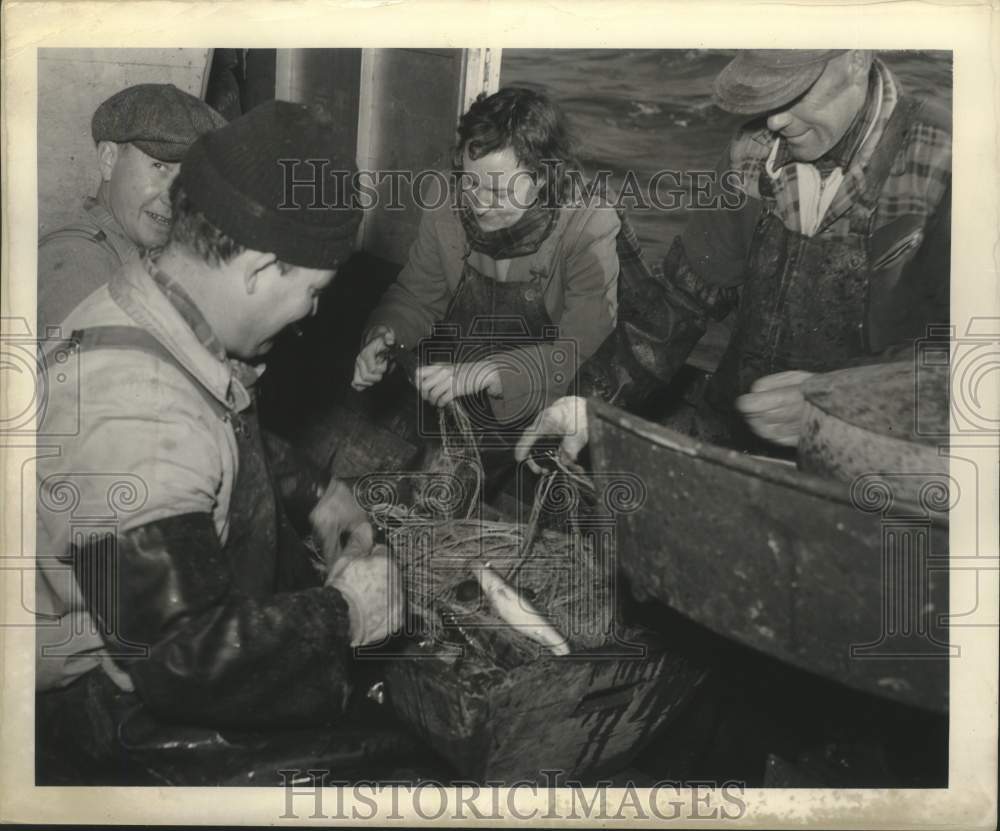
{"x": 577, "y": 267}
{"x": 870, "y": 279}
{"x": 77, "y": 259}
{"x": 144, "y": 453}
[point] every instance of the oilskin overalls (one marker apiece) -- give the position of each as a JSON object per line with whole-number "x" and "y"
{"x": 93, "y": 732}
{"x": 486, "y": 318}
{"x": 806, "y": 301}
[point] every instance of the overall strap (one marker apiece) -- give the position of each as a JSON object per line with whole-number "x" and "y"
{"x": 84, "y": 232}
{"x": 136, "y": 339}
{"x": 889, "y": 146}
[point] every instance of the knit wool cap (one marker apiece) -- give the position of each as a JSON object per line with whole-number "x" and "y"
{"x": 160, "y": 119}
{"x": 247, "y": 178}
{"x": 761, "y": 80}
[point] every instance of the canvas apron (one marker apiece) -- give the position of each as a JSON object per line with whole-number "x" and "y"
{"x": 805, "y": 302}
{"x": 93, "y": 724}
{"x": 487, "y": 317}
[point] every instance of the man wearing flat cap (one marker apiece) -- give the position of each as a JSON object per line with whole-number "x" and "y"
{"x": 141, "y": 133}
{"x": 197, "y": 603}
{"x": 837, "y": 253}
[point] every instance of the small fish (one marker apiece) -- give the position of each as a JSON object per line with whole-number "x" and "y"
{"x": 519, "y": 613}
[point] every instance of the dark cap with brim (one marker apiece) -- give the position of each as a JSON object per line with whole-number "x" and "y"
{"x": 761, "y": 80}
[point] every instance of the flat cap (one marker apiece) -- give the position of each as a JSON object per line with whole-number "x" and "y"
{"x": 760, "y": 80}
{"x": 160, "y": 119}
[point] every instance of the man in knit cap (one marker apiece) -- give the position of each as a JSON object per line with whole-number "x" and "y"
{"x": 140, "y": 133}
{"x": 198, "y": 603}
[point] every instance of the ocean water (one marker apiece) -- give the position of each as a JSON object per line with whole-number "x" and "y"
{"x": 648, "y": 110}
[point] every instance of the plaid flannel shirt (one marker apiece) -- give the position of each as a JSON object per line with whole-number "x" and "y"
{"x": 710, "y": 265}
{"x": 917, "y": 182}
{"x": 671, "y": 303}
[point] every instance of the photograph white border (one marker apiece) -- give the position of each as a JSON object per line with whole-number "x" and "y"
{"x": 970, "y": 30}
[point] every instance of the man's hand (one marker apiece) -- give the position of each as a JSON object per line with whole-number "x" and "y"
{"x": 341, "y": 525}
{"x": 774, "y": 407}
{"x": 372, "y": 587}
{"x": 440, "y": 384}
{"x": 372, "y": 360}
{"x": 566, "y": 417}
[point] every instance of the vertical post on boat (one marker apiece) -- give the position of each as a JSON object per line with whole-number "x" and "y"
{"x": 480, "y": 73}
{"x": 410, "y": 101}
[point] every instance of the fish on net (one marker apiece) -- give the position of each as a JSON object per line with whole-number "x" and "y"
{"x": 507, "y": 590}
{"x": 565, "y": 584}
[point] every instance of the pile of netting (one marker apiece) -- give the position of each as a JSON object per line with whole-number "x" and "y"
{"x": 504, "y": 591}
{"x": 562, "y": 582}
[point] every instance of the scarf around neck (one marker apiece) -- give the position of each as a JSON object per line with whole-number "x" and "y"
{"x": 522, "y": 238}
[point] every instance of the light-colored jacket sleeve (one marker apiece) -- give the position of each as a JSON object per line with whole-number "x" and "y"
{"x": 534, "y": 376}
{"x": 419, "y": 298}
{"x": 145, "y": 448}
{"x": 155, "y": 426}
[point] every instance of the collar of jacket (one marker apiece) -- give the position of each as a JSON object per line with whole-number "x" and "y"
{"x": 522, "y": 239}
{"x": 450, "y": 224}
{"x": 752, "y": 147}
{"x": 116, "y": 236}
{"x": 135, "y": 291}
{"x": 842, "y": 153}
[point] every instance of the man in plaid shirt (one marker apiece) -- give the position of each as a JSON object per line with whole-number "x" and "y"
{"x": 836, "y": 255}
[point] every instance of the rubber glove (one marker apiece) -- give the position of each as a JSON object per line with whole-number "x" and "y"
{"x": 372, "y": 588}
{"x": 440, "y": 384}
{"x": 341, "y": 525}
{"x": 566, "y": 417}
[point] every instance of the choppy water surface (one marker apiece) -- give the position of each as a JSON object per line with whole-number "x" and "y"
{"x": 647, "y": 110}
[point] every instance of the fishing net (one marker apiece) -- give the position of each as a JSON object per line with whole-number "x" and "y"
{"x": 563, "y": 578}
{"x": 453, "y": 482}
{"x": 441, "y": 546}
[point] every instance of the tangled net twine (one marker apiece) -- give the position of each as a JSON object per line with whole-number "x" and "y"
{"x": 563, "y": 580}
{"x": 439, "y": 553}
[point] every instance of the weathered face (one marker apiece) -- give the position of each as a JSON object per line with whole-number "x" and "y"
{"x": 497, "y": 188}
{"x": 814, "y": 122}
{"x": 138, "y": 189}
{"x": 274, "y": 301}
